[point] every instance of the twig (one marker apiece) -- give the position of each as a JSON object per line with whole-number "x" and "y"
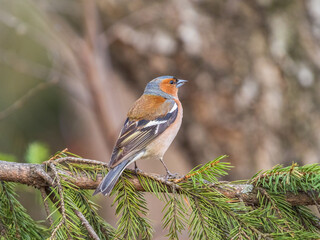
{"x": 186, "y": 177}
{"x": 62, "y": 206}
{"x": 26, "y": 66}
{"x": 311, "y": 195}
{"x": 87, "y": 225}
{"x": 58, "y": 154}
{"x": 21, "y": 101}
{"x": 136, "y": 19}
{"x": 202, "y": 220}
{"x": 264, "y": 192}
{"x": 80, "y": 161}
{"x": 54, "y": 77}
{"x": 10, "y": 204}
{"x": 44, "y": 175}
{"x": 46, "y": 206}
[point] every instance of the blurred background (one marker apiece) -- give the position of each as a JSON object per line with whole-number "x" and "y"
{"x": 70, "y": 70}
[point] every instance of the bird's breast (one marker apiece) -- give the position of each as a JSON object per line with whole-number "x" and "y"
{"x": 160, "y": 145}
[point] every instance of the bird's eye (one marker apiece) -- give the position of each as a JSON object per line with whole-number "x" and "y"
{"x": 171, "y": 82}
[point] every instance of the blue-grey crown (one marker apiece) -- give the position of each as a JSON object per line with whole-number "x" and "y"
{"x": 153, "y": 87}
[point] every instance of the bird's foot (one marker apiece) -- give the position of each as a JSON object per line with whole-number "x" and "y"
{"x": 137, "y": 170}
{"x": 170, "y": 175}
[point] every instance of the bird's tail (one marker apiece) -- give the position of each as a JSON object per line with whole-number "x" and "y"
{"x": 111, "y": 179}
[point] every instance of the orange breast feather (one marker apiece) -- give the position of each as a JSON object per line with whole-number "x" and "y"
{"x": 149, "y": 107}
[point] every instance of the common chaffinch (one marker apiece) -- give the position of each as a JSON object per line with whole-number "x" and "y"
{"x": 152, "y": 124}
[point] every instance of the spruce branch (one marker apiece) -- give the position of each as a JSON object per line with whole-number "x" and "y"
{"x": 258, "y": 209}
{"x": 61, "y": 203}
{"x": 312, "y": 195}
{"x": 58, "y": 154}
{"x": 36, "y": 175}
{"x": 131, "y": 205}
{"x": 46, "y": 206}
{"x": 87, "y": 225}
{"x": 275, "y": 207}
{"x": 77, "y": 211}
{"x": 15, "y": 223}
{"x": 174, "y": 215}
{"x": 201, "y": 170}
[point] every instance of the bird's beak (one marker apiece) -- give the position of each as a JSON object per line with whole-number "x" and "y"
{"x": 180, "y": 82}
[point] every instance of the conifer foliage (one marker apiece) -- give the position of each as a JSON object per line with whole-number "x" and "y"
{"x": 192, "y": 204}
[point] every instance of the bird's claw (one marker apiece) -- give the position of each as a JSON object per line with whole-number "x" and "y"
{"x": 137, "y": 170}
{"x": 170, "y": 175}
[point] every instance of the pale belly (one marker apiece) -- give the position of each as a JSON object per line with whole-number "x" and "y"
{"x": 160, "y": 145}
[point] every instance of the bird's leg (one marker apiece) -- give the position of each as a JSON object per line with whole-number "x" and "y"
{"x": 136, "y": 169}
{"x": 169, "y": 174}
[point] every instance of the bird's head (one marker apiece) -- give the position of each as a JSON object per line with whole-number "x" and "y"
{"x": 165, "y": 86}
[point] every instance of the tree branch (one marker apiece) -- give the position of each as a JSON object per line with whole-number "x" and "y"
{"x": 36, "y": 175}
{"x": 87, "y": 225}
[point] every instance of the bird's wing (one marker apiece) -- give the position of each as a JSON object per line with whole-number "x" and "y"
{"x": 137, "y": 134}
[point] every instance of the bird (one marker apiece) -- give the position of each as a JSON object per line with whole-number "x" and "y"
{"x": 152, "y": 124}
